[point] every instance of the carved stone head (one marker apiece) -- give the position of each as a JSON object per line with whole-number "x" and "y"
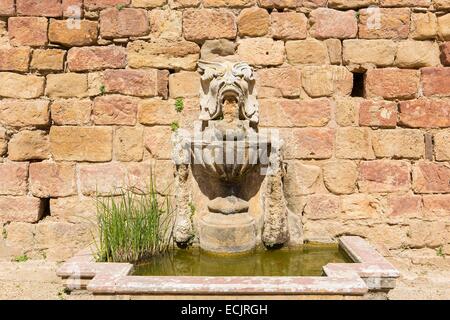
{"x": 227, "y": 81}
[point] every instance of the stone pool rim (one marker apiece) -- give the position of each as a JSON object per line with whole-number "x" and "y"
{"x": 369, "y": 272}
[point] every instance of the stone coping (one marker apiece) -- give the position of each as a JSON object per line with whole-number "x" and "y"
{"x": 369, "y": 272}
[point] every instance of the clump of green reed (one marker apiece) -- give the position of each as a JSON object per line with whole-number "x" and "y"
{"x": 135, "y": 225}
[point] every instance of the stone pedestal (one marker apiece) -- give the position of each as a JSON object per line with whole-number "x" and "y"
{"x": 232, "y": 233}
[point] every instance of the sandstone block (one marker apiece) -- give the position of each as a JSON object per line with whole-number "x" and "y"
{"x": 96, "y": 58}
{"x": 444, "y": 27}
{"x": 417, "y": 54}
{"x": 288, "y": 25}
{"x": 354, "y": 143}
{"x": 128, "y": 144}
{"x": 301, "y": 179}
{"x": 7, "y": 8}
{"x": 67, "y": 85}
{"x": 148, "y": 3}
{"x": 351, "y": 4}
{"x": 127, "y": 22}
{"x": 14, "y": 59}
{"x": 48, "y": 179}
{"x": 228, "y": 3}
{"x": 141, "y": 83}
{"x": 424, "y": 26}
{"x": 442, "y": 145}
{"x": 328, "y": 23}
{"x": 103, "y": 4}
{"x": 158, "y": 141}
{"x": 347, "y": 111}
{"x": 384, "y": 176}
{"x": 310, "y": 51}
{"x": 295, "y": 113}
{"x": 67, "y": 35}
{"x": 115, "y": 110}
{"x": 23, "y": 113}
{"x": 13, "y": 178}
{"x": 435, "y": 81}
{"x": 378, "y": 114}
{"x": 405, "y": 143}
{"x": 278, "y": 82}
{"x": 322, "y": 206}
{"x": 20, "y": 209}
{"x": 21, "y": 86}
{"x": 391, "y": 83}
{"x": 93, "y": 144}
{"x": 3, "y": 142}
{"x": 157, "y": 112}
{"x": 74, "y": 209}
{"x": 261, "y": 51}
{"x": 184, "y": 84}
{"x": 437, "y": 205}
{"x": 71, "y": 111}
{"x": 430, "y": 177}
{"x": 340, "y": 176}
{"x": 334, "y": 47}
{"x": 48, "y": 60}
{"x": 427, "y": 234}
{"x": 380, "y": 53}
{"x": 29, "y": 145}
{"x": 387, "y": 23}
{"x": 163, "y": 54}
{"x": 72, "y": 8}
{"x": 166, "y": 24}
{"x": 360, "y": 206}
{"x": 309, "y": 143}
{"x": 215, "y": 49}
{"x": 46, "y": 8}
{"x": 404, "y": 206}
{"x": 27, "y": 31}
{"x": 445, "y": 53}
{"x": 204, "y": 24}
{"x": 321, "y": 81}
{"x": 425, "y": 113}
{"x": 253, "y": 22}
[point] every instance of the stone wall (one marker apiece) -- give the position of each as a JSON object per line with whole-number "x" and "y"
{"x": 359, "y": 89}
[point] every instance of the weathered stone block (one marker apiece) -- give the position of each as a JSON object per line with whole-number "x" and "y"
{"x": 96, "y": 58}
{"x": 158, "y": 141}
{"x": 384, "y": 176}
{"x": 46, "y": 8}
{"x": 261, "y": 51}
{"x": 417, "y": 54}
{"x": 141, "y": 83}
{"x": 74, "y": 209}
{"x": 321, "y": 81}
{"x": 278, "y": 82}
{"x": 322, "y": 206}
{"x": 228, "y": 3}
{"x": 29, "y": 145}
{"x": 424, "y": 26}
{"x": 157, "y": 112}
{"x": 127, "y": 22}
{"x": 204, "y": 24}
{"x": 425, "y": 113}
{"x": 361, "y": 206}
{"x": 166, "y": 24}
{"x": 7, "y": 8}
{"x": 301, "y": 179}
{"x": 328, "y": 23}
{"x": 380, "y": 53}
{"x": 20, "y": 209}
{"x": 48, "y": 60}
{"x": 384, "y": 23}
{"x": 442, "y": 145}
{"x": 253, "y": 22}
{"x": 48, "y": 179}
{"x": 21, "y": 86}
{"x": 437, "y": 205}
{"x": 65, "y": 34}
{"x": 71, "y": 111}
{"x": 184, "y": 84}
{"x": 163, "y": 54}
{"x": 354, "y": 143}
{"x": 115, "y": 109}
{"x": 378, "y": 114}
{"x": 27, "y": 31}
{"x": 310, "y": 51}
{"x": 444, "y": 27}
{"x": 13, "y": 178}
{"x": 427, "y": 234}
{"x": 309, "y": 143}
{"x": 347, "y": 111}
{"x": 391, "y": 83}
{"x": 128, "y": 144}
{"x": 404, "y": 206}
{"x": 340, "y": 176}
{"x": 445, "y": 53}
{"x": 102, "y": 4}
{"x": 93, "y": 144}
{"x": 67, "y": 85}
{"x": 23, "y": 113}
{"x": 288, "y": 25}
{"x": 14, "y": 59}
{"x": 430, "y": 177}
{"x": 435, "y": 81}
{"x": 405, "y": 143}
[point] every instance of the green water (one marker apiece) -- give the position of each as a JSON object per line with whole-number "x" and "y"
{"x": 306, "y": 260}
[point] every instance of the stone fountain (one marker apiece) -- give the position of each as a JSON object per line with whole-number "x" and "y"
{"x": 229, "y": 192}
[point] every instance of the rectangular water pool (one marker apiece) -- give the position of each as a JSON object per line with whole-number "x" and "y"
{"x": 306, "y": 260}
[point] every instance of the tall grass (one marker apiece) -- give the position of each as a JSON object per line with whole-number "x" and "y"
{"x": 134, "y": 225}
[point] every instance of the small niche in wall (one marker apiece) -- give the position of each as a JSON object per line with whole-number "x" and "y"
{"x": 358, "y": 84}
{"x": 44, "y": 208}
